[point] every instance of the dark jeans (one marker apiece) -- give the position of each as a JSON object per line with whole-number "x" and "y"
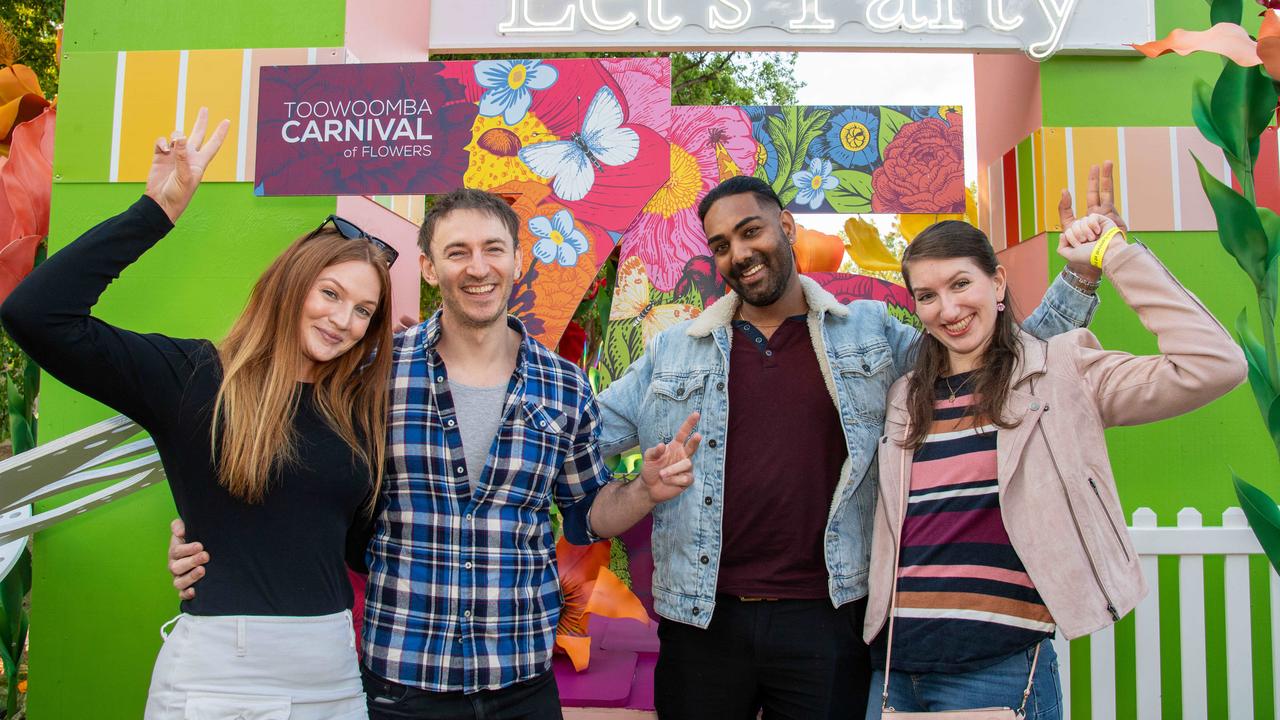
{"x": 536, "y": 699}
{"x": 800, "y": 659}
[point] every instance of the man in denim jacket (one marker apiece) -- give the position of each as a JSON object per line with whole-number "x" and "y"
{"x": 761, "y": 565}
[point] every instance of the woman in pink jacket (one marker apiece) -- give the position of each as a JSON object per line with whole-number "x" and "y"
{"x": 997, "y": 506}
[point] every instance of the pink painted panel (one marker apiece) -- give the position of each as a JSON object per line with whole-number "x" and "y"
{"x": 1148, "y": 163}
{"x": 1027, "y": 265}
{"x": 1007, "y": 94}
{"x": 388, "y": 30}
{"x": 1197, "y": 214}
{"x": 400, "y": 234}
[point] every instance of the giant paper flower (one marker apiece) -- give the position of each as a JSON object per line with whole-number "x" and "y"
{"x": 852, "y": 138}
{"x": 706, "y": 143}
{"x": 814, "y": 183}
{"x": 589, "y": 588}
{"x": 509, "y": 84}
{"x": 558, "y": 240}
{"x": 26, "y": 184}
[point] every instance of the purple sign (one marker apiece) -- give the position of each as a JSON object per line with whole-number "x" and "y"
{"x": 378, "y": 129}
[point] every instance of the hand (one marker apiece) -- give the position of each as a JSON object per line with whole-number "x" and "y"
{"x": 186, "y": 560}
{"x": 1100, "y": 199}
{"x": 179, "y": 164}
{"x": 1079, "y": 240}
{"x": 667, "y": 468}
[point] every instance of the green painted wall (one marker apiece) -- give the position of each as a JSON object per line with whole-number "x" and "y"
{"x": 101, "y": 590}
{"x": 1181, "y": 462}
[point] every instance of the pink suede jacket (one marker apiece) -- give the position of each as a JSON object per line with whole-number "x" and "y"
{"x": 1057, "y": 495}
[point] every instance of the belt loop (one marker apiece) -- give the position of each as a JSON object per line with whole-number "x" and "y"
{"x": 167, "y": 628}
{"x": 241, "y": 632}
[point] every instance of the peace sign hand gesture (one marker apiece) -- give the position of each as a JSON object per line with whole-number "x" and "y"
{"x": 179, "y": 163}
{"x": 1100, "y": 200}
{"x": 667, "y": 468}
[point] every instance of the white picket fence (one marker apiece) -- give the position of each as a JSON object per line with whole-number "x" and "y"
{"x": 1190, "y": 541}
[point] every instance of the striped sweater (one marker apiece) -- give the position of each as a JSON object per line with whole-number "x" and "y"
{"x": 964, "y": 598}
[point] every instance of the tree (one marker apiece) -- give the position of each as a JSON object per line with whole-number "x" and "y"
{"x": 35, "y": 23}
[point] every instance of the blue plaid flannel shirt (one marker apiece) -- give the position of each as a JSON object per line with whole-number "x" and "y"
{"x": 463, "y": 589}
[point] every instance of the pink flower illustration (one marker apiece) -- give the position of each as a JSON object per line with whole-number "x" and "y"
{"x": 708, "y": 145}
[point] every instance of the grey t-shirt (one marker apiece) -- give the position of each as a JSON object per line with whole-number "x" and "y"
{"x": 479, "y": 411}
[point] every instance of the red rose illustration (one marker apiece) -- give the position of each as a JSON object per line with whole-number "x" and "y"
{"x": 923, "y": 170}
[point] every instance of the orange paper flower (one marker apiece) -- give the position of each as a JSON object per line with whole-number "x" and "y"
{"x": 589, "y": 588}
{"x": 1228, "y": 40}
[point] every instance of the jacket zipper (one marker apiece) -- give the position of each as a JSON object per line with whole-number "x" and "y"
{"x": 1093, "y": 566}
{"x": 1114, "y": 530}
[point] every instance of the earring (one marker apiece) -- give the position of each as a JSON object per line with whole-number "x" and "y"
{"x": 999, "y": 307}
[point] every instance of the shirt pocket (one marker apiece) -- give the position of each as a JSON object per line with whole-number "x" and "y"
{"x": 864, "y": 374}
{"x": 532, "y": 451}
{"x": 674, "y": 398}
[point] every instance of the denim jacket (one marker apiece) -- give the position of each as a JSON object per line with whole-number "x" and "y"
{"x": 861, "y": 350}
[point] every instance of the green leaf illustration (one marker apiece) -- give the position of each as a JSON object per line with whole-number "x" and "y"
{"x": 891, "y": 121}
{"x": 853, "y": 194}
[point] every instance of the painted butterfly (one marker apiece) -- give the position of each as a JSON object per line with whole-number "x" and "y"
{"x": 573, "y": 163}
{"x": 632, "y": 301}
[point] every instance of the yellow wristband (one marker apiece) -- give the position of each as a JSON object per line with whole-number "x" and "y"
{"x": 1100, "y": 249}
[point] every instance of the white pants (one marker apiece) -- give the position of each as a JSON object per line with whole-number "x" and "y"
{"x": 258, "y": 668}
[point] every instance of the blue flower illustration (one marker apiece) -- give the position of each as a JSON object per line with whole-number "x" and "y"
{"x": 558, "y": 240}
{"x": 851, "y": 138}
{"x": 920, "y": 112}
{"x": 508, "y": 84}
{"x": 813, "y": 183}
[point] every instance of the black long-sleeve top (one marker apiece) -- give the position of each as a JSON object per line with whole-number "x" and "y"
{"x": 283, "y": 556}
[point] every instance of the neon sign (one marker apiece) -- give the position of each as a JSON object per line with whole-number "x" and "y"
{"x": 1039, "y": 27}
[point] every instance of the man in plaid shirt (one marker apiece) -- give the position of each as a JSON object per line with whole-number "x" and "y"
{"x": 487, "y": 428}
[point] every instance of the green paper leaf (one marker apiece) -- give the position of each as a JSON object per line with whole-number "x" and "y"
{"x": 1264, "y": 518}
{"x": 1228, "y": 11}
{"x": 1239, "y": 225}
{"x": 1273, "y": 421}
{"x": 1243, "y": 101}
{"x": 853, "y": 194}
{"x": 1255, "y": 355}
{"x": 1201, "y": 97}
{"x": 891, "y": 122}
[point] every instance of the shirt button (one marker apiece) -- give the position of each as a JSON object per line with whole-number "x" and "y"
{"x": 460, "y": 469}
{"x": 768, "y": 353}
{"x": 720, "y": 386}
{"x": 450, "y": 423}
{"x": 1046, "y": 407}
{"x": 439, "y": 378}
{"x": 866, "y": 367}
{"x": 466, "y": 613}
{"x": 759, "y": 340}
{"x": 542, "y": 423}
{"x": 468, "y": 518}
{"x": 711, "y": 442}
{"x": 704, "y": 559}
{"x": 467, "y": 565}
{"x": 695, "y": 611}
{"x": 706, "y": 500}
{"x": 1035, "y": 406}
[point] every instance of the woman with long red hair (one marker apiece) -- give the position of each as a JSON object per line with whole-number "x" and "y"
{"x": 272, "y": 441}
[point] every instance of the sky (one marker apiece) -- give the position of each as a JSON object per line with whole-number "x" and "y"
{"x": 877, "y": 78}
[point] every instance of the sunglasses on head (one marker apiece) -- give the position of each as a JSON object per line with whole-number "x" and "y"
{"x": 350, "y": 231}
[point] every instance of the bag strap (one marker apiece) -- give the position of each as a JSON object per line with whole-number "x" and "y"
{"x": 893, "y": 597}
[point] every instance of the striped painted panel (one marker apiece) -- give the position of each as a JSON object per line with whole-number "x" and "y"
{"x": 1157, "y": 186}
{"x": 410, "y": 207}
{"x": 159, "y": 91}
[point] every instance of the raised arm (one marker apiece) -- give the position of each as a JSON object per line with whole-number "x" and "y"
{"x": 1198, "y": 360}
{"x": 48, "y": 314}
